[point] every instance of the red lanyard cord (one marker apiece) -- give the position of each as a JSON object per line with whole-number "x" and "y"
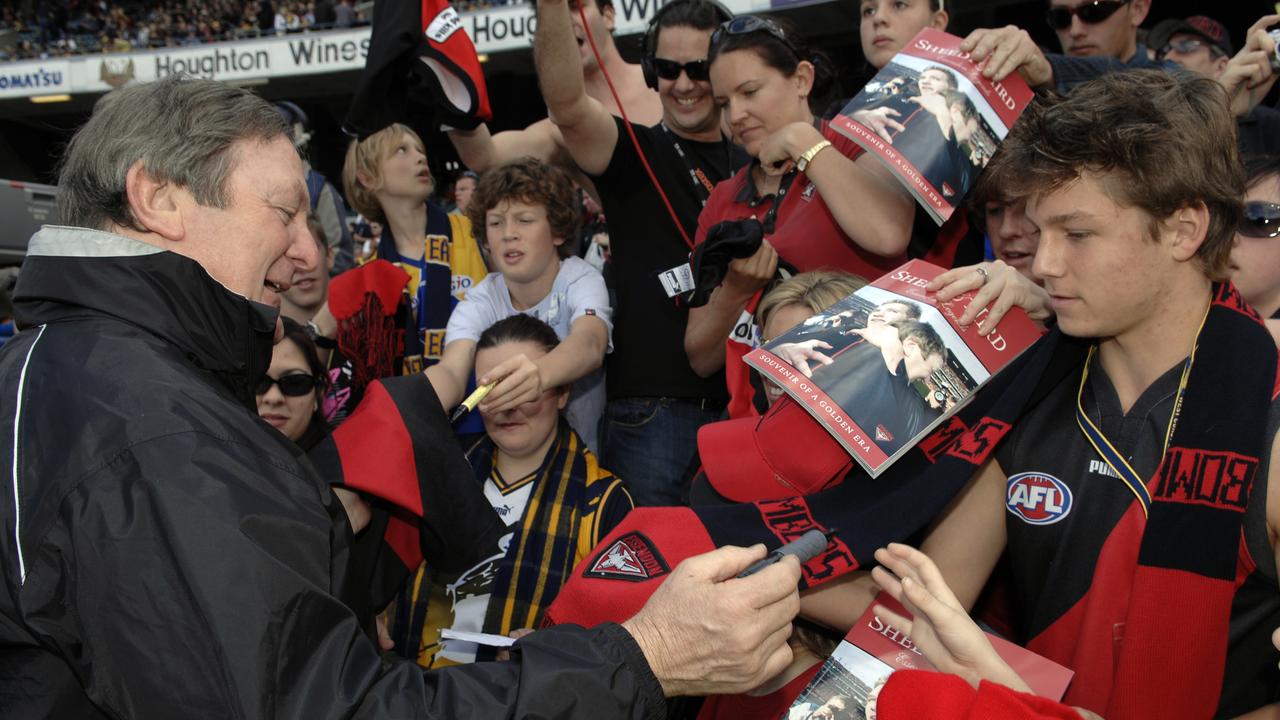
{"x": 630, "y": 131}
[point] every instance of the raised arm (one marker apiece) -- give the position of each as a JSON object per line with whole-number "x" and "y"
{"x": 1248, "y": 77}
{"x": 449, "y": 376}
{"x": 867, "y": 201}
{"x": 521, "y": 380}
{"x": 480, "y": 151}
{"x": 589, "y": 131}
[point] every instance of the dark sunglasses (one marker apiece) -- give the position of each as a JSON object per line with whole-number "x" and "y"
{"x": 295, "y": 385}
{"x": 1261, "y": 220}
{"x": 747, "y": 24}
{"x": 697, "y": 70}
{"x": 1059, "y": 17}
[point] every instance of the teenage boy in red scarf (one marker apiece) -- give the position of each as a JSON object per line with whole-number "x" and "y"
{"x": 1123, "y": 499}
{"x": 1122, "y": 462}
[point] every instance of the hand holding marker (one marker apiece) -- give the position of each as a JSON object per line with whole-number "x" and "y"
{"x": 804, "y": 548}
{"x": 472, "y": 401}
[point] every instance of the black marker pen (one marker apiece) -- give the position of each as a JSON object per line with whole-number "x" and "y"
{"x": 804, "y": 548}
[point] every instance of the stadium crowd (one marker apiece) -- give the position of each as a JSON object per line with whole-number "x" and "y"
{"x": 266, "y": 463}
{"x": 72, "y": 27}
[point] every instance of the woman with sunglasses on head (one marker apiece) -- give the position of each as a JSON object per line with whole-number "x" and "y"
{"x": 819, "y": 202}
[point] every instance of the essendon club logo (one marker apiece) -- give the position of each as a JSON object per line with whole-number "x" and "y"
{"x": 631, "y": 557}
{"x": 883, "y": 435}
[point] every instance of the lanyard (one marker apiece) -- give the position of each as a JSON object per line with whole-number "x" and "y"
{"x": 701, "y": 183}
{"x": 770, "y": 217}
{"x": 1103, "y": 446}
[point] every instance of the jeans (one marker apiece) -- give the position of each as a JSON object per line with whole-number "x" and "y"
{"x": 649, "y": 443}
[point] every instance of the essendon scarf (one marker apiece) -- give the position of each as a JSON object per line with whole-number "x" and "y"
{"x": 421, "y": 65}
{"x": 1181, "y": 586}
{"x": 364, "y": 302}
{"x": 398, "y": 446}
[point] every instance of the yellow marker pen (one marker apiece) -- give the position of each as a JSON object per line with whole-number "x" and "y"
{"x": 472, "y": 401}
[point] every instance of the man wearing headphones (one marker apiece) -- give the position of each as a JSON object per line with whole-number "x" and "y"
{"x": 656, "y": 401}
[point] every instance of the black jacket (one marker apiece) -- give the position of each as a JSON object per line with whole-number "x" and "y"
{"x": 164, "y": 552}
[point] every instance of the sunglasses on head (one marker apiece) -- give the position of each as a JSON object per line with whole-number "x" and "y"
{"x": 748, "y": 24}
{"x": 1261, "y": 220}
{"x": 697, "y": 70}
{"x": 1091, "y": 13}
{"x": 295, "y": 385}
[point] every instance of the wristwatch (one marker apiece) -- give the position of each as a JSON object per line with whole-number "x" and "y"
{"x": 810, "y": 154}
{"x": 322, "y": 342}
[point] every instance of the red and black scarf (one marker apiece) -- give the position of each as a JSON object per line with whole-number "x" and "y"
{"x": 1184, "y": 576}
{"x": 398, "y": 446}
{"x": 421, "y": 70}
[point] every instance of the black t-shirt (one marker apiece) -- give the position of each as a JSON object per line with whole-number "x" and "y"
{"x": 648, "y": 358}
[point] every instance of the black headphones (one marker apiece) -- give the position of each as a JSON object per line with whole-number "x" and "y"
{"x": 651, "y": 36}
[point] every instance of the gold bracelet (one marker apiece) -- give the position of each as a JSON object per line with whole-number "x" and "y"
{"x": 808, "y": 155}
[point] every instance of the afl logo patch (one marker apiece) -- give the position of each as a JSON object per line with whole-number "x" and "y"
{"x": 1037, "y": 498}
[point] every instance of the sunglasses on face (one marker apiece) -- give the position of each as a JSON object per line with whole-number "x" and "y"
{"x": 295, "y": 385}
{"x": 747, "y": 24}
{"x": 697, "y": 70}
{"x": 1090, "y": 13}
{"x": 1261, "y": 220}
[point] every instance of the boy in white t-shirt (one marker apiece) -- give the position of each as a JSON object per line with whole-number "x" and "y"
{"x": 527, "y": 211}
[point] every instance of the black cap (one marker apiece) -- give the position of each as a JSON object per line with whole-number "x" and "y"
{"x": 1208, "y": 28}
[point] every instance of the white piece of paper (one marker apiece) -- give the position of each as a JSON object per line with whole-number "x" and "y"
{"x": 478, "y": 638}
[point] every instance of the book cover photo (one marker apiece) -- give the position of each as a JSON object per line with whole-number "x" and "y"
{"x": 872, "y": 650}
{"x": 884, "y": 366}
{"x": 933, "y": 119}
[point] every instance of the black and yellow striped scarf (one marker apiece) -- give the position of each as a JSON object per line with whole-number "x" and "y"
{"x": 560, "y": 525}
{"x": 560, "y": 516}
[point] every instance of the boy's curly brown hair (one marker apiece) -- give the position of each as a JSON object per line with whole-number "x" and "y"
{"x": 534, "y": 182}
